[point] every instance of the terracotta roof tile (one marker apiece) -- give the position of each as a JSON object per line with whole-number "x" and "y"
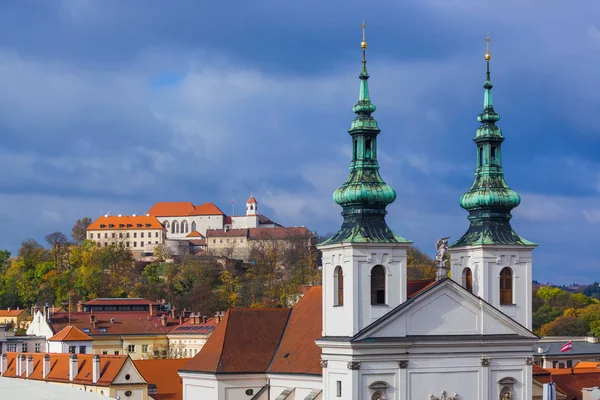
{"x": 208, "y": 209}
{"x": 70, "y": 334}
{"x": 244, "y": 342}
{"x": 11, "y": 313}
{"x": 227, "y": 220}
{"x": 571, "y": 384}
{"x": 163, "y": 374}
{"x": 195, "y": 234}
{"x": 183, "y": 208}
{"x": 125, "y": 222}
{"x": 226, "y": 233}
{"x": 125, "y": 323}
{"x": 59, "y": 367}
{"x": 251, "y": 200}
{"x": 297, "y": 352}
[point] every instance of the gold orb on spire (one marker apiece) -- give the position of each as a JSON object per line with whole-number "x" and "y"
{"x": 363, "y": 44}
{"x": 488, "y": 56}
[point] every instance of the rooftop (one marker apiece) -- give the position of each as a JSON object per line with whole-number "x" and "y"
{"x": 183, "y": 208}
{"x": 112, "y": 222}
{"x": 123, "y": 323}
{"x": 163, "y": 374}
{"x": 70, "y": 334}
{"x": 10, "y": 313}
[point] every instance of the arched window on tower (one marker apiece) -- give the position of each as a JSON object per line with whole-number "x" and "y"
{"x": 506, "y": 286}
{"x": 378, "y": 285}
{"x": 481, "y": 156}
{"x": 338, "y": 283}
{"x": 493, "y": 155}
{"x": 368, "y": 148}
{"x": 468, "y": 279}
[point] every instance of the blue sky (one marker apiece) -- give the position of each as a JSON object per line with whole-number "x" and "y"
{"x": 113, "y": 105}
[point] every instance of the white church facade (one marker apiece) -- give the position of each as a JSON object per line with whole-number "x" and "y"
{"x": 370, "y": 333}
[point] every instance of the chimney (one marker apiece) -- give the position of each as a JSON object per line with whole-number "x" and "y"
{"x": 3, "y": 364}
{"x": 29, "y": 366}
{"x": 204, "y": 319}
{"x": 20, "y": 364}
{"x": 8, "y": 309}
{"x": 218, "y": 317}
{"x": 92, "y": 318}
{"x": 163, "y": 320}
{"x": 80, "y": 306}
{"x": 173, "y": 309}
{"x": 46, "y": 366}
{"x": 95, "y": 368}
{"x": 73, "y": 368}
{"x": 181, "y": 319}
{"x": 153, "y": 310}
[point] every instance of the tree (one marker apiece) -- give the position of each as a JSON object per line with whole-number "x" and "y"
{"x": 565, "y": 326}
{"x": 79, "y": 232}
{"x": 56, "y": 239}
{"x": 419, "y": 265}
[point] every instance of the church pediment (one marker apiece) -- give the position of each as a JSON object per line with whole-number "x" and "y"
{"x": 444, "y": 310}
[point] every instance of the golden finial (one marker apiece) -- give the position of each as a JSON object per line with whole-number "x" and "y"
{"x": 363, "y": 44}
{"x": 488, "y": 56}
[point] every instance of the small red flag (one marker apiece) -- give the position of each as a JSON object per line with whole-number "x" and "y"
{"x": 566, "y": 347}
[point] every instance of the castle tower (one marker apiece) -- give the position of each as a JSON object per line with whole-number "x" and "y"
{"x": 490, "y": 259}
{"x": 364, "y": 263}
{"x": 251, "y": 206}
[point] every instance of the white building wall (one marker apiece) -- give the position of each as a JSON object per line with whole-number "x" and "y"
{"x": 63, "y": 347}
{"x": 225, "y": 387}
{"x": 244, "y": 222}
{"x": 303, "y": 385}
{"x": 486, "y": 262}
{"x": 39, "y": 326}
{"x": 203, "y": 222}
{"x": 357, "y": 260}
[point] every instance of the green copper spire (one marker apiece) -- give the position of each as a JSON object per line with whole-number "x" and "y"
{"x": 364, "y": 196}
{"x": 490, "y": 200}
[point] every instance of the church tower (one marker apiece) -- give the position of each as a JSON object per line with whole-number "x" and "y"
{"x": 491, "y": 260}
{"x": 364, "y": 263}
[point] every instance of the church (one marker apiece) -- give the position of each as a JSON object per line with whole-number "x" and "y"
{"x": 370, "y": 333}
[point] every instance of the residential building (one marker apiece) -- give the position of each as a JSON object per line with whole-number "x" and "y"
{"x": 187, "y": 339}
{"x": 547, "y": 352}
{"x": 9, "y": 342}
{"x": 70, "y": 340}
{"x": 107, "y": 375}
{"x": 139, "y": 233}
{"x": 363, "y": 335}
{"x": 19, "y": 319}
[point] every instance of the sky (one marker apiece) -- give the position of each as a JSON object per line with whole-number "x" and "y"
{"x": 114, "y": 105}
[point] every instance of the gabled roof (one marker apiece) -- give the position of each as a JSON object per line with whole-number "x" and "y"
{"x": 125, "y": 222}
{"x": 110, "y": 366}
{"x": 195, "y": 234}
{"x": 571, "y": 384}
{"x": 70, "y": 334}
{"x": 163, "y": 374}
{"x": 262, "y": 220}
{"x": 124, "y": 323}
{"x": 183, "y": 208}
{"x": 243, "y": 342}
{"x": 552, "y": 349}
{"x": 11, "y": 313}
{"x": 297, "y": 352}
{"x": 519, "y": 331}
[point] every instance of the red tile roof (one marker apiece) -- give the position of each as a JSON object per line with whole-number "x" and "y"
{"x": 10, "y": 313}
{"x": 123, "y": 222}
{"x": 70, "y": 334}
{"x": 251, "y": 200}
{"x": 226, "y": 233}
{"x": 227, "y": 220}
{"x": 183, "y": 208}
{"x": 114, "y": 301}
{"x": 571, "y": 384}
{"x": 125, "y": 323}
{"x": 279, "y": 233}
{"x": 195, "y": 234}
{"x": 244, "y": 342}
{"x": 110, "y": 366}
{"x": 297, "y": 352}
{"x": 163, "y": 374}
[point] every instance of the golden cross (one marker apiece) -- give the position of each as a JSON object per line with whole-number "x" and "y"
{"x": 363, "y": 26}
{"x": 487, "y": 43}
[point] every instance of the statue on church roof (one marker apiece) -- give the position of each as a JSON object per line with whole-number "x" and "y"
{"x": 441, "y": 248}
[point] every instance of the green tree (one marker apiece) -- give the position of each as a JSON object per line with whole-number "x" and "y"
{"x": 419, "y": 265}
{"x": 565, "y": 326}
{"x": 78, "y": 232}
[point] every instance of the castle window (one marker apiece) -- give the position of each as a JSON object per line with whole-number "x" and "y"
{"x": 175, "y": 227}
{"x": 193, "y": 226}
{"x": 338, "y": 388}
{"x": 468, "y": 279}
{"x": 368, "y": 148}
{"x": 378, "y": 285}
{"x": 506, "y": 286}
{"x": 338, "y": 282}
{"x": 184, "y": 226}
